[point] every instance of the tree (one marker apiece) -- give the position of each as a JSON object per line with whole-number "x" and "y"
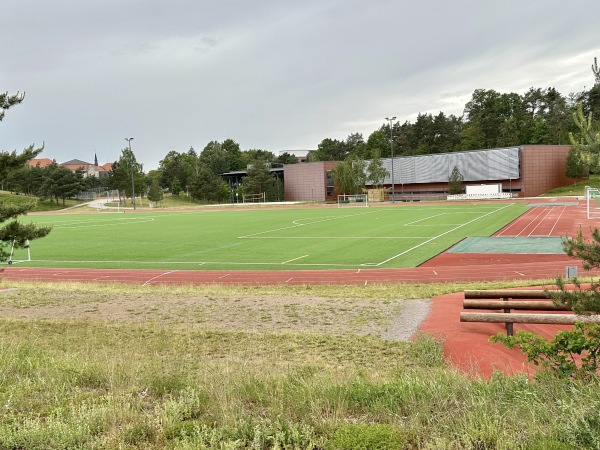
{"x": 259, "y": 179}
{"x": 15, "y": 232}
{"x": 329, "y": 150}
{"x": 377, "y": 173}
{"x": 587, "y": 140}
{"x": 287, "y": 158}
{"x": 155, "y": 192}
{"x": 121, "y": 175}
{"x": 576, "y": 168}
{"x": 349, "y": 175}
{"x": 60, "y": 183}
{"x": 215, "y": 158}
{"x": 455, "y": 182}
{"x": 175, "y": 186}
{"x": 208, "y": 187}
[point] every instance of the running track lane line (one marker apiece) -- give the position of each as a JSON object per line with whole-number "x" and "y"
{"x": 158, "y": 276}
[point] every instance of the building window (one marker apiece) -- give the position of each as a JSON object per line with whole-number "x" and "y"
{"x": 329, "y": 183}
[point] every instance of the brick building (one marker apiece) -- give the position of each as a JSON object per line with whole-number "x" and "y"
{"x": 525, "y": 171}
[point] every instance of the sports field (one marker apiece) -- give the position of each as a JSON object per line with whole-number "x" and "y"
{"x": 263, "y": 239}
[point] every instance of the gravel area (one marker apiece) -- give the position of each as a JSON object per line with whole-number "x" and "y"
{"x": 405, "y": 325}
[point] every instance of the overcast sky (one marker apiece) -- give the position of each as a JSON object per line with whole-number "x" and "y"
{"x": 270, "y": 74}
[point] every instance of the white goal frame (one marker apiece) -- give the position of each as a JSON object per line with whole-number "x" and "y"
{"x": 353, "y": 200}
{"x": 592, "y": 202}
{"x": 255, "y": 198}
{"x": 12, "y": 253}
{"x": 102, "y": 208}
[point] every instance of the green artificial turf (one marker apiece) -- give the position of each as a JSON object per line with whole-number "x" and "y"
{"x": 285, "y": 238}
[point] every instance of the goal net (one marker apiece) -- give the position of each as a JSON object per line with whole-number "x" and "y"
{"x": 592, "y": 202}
{"x": 352, "y": 200}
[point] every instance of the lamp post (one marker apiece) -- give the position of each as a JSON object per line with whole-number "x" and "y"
{"x": 131, "y": 167}
{"x": 391, "y": 120}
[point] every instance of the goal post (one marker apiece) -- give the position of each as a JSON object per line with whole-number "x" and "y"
{"x": 19, "y": 254}
{"x": 254, "y": 198}
{"x": 352, "y": 200}
{"x": 110, "y": 207}
{"x": 592, "y": 202}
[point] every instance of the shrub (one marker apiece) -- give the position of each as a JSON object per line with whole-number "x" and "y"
{"x": 365, "y": 436}
{"x": 569, "y": 354}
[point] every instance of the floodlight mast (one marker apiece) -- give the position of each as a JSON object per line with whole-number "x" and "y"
{"x": 131, "y": 167}
{"x": 391, "y": 120}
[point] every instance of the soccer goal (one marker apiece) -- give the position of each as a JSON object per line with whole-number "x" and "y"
{"x": 592, "y": 202}
{"x": 352, "y": 200}
{"x": 19, "y": 254}
{"x": 254, "y": 198}
{"x": 110, "y": 207}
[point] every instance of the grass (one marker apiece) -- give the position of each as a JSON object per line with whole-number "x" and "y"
{"x": 577, "y": 189}
{"x": 104, "y": 380}
{"x": 38, "y": 205}
{"x": 276, "y": 239}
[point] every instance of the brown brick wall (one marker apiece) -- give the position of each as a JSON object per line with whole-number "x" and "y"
{"x": 543, "y": 168}
{"x": 307, "y": 181}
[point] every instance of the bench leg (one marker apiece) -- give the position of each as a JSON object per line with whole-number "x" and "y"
{"x": 508, "y": 325}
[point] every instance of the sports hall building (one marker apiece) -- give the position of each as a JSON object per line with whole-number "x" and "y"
{"x": 525, "y": 171}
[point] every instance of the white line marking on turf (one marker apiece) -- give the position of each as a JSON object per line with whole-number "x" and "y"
{"x": 158, "y": 276}
{"x": 425, "y": 218}
{"x": 342, "y": 237}
{"x": 294, "y": 259}
{"x": 302, "y": 224}
{"x": 440, "y": 235}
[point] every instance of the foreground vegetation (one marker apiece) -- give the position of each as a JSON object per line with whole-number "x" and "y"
{"x": 102, "y": 367}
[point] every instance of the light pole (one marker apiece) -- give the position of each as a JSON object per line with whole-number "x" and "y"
{"x": 131, "y": 166}
{"x": 391, "y": 120}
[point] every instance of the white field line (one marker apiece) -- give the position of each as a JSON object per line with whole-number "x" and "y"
{"x": 296, "y": 225}
{"x": 424, "y": 218}
{"x": 440, "y": 235}
{"x": 340, "y": 237}
{"x": 200, "y": 263}
{"x": 102, "y": 224}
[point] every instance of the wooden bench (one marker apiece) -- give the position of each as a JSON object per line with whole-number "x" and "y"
{"x": 519, "y": 300}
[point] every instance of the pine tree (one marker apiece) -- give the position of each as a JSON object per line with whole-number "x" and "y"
{"x": 455, "y": 182}
{"x": 15, "y": 232}
{"x": 576, "y": 168}
{"x": 155, "y": 193}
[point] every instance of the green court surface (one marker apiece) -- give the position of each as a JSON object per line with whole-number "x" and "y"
{"x": 513, "y": 245}
{"x": 263, "y": 239}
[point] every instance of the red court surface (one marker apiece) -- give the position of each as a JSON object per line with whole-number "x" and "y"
{"x": 466, "y": 344}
